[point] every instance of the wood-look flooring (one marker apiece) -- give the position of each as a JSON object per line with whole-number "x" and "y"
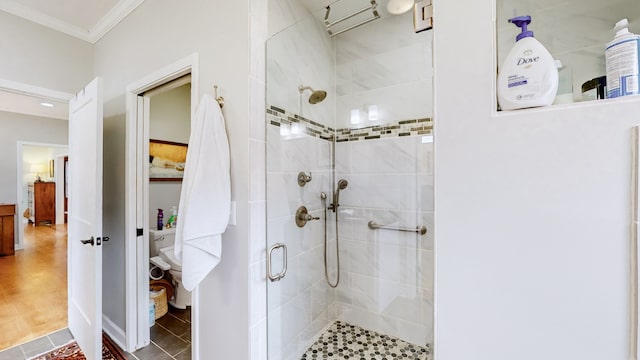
{"x": 33, "y": 286}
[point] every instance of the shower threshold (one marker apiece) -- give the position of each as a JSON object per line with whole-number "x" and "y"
{"x": 346, "y": 341}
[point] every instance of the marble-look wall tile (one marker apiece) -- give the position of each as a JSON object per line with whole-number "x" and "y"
{"x": 394, "y": 67}
{"x": 257, "y": 112}
{"x": 394, "y": 74}
{"x": 409, "y": 331}
{"x": 382, "y": 191}
{"x": 377, "y": 38}
{"x": 385, "y": 156}
{"x": 257, "y": 231}
{"x": 258, "y": 333}
{"x": 256, "y": 170}
{"x": 387, "y": 276}
{"x": 301, "y": 304}
{"x": 259, "y": 295}
{"x": 287, "y": 289}
{"x": 302, "y": 55}
{"x": 411, "y": 100}
{"x": 284, "y": 13}
{"x": 288, "y": 196}
{"x": 381, "y": 273}
{"x": 258, "y": 32}
{"x": 287, "y": 154}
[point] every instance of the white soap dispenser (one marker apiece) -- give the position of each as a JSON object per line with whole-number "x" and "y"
{"x": 529, "y": 76}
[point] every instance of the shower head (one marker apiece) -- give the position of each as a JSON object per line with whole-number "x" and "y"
{"x": 316, "y": 95}
{"x": 342, "y": 184}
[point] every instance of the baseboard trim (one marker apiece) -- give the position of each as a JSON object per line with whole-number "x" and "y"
{"x": 114, "y": 331}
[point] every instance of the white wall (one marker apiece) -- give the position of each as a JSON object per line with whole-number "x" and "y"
{"x": 154, "y": 35}
{"x": 170, "y": 115}
{"x": 25, "y": 128}
{"x": 532, "y": 212}
{"x": 36, "y": 55}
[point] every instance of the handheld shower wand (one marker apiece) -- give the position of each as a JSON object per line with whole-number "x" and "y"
{"x": 342, "y": 184}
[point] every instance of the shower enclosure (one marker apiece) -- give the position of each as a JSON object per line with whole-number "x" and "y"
{"x": 348, "y": 129}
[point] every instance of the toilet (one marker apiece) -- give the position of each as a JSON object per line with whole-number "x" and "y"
{"x": 161, "y": 254}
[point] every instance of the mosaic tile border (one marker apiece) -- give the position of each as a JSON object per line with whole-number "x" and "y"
{"x": 413, "y": 127}
{"x": 345, "y": 341}
{"x": 279, "y": 117}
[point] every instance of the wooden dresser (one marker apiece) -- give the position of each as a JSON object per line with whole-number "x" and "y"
{"x": 44, "y": 202}
{"x": 7, "y": 225}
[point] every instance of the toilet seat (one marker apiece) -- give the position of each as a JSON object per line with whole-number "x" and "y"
{"x": 169, "y": 256}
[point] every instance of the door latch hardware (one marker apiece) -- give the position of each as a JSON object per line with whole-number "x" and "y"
{"x": 90, "y": 241}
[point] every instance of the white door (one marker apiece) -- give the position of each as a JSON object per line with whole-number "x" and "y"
{"x": 85, "y": 219}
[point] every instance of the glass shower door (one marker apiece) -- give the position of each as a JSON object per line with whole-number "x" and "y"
{"x": 367, "y": 150}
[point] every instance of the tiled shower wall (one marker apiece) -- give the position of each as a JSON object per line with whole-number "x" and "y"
{"x": 386, "y": 276}
{"x": 387, "y": 283}
{"x": 386, "y": 65}
{"x": 302, "y": 304}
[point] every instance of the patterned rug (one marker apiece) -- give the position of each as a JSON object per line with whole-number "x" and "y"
{"x": 346, "y": 341}
{"x": 71, "y": 351}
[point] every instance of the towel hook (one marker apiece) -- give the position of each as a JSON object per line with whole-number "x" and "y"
{"x": 219, "y": 99}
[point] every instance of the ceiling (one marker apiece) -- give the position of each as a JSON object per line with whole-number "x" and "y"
{"x": 87, "y": 20}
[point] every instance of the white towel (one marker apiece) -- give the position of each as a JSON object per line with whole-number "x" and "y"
{"x": 205, "y": 199}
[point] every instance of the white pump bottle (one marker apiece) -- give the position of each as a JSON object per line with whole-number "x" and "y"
{"x": 529, "y": 76}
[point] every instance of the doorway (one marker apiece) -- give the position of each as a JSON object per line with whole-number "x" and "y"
{"x": 40, "y": 185}
{"x": 34, "y": 278}
{"x": 179, "y": 80}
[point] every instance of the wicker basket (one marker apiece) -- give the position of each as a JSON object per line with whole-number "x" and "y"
{"x": 159, "y": 296}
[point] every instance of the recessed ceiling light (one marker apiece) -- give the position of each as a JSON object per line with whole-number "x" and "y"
{"x": 46, "y": 104}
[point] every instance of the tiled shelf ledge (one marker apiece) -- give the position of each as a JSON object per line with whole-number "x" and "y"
{"x": 575, "y": 105}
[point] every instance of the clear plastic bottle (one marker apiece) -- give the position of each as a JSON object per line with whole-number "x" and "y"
{"x": 565, "y": 84}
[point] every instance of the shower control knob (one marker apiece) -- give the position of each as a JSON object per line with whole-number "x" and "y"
{"x": 303, "y": 178}
{"x": 302, "y": 216}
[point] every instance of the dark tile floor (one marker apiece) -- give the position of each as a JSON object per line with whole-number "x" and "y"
{"x": 170, "y": 340}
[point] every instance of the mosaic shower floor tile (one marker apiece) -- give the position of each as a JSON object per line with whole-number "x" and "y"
{"x": 345, "y": 341}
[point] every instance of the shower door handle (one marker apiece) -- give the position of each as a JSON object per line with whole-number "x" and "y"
{"x": 282, "y": 273}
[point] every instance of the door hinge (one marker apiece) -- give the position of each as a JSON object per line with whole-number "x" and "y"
{"x": 423, "y": 16}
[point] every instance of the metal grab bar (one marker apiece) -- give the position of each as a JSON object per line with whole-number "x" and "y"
{"x": 418, "y": 229}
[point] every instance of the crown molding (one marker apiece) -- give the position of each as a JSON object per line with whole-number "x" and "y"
{"x": 17, "y": 9}
{"x": 122, "y": 9}
{"x": 104, "y": 25}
